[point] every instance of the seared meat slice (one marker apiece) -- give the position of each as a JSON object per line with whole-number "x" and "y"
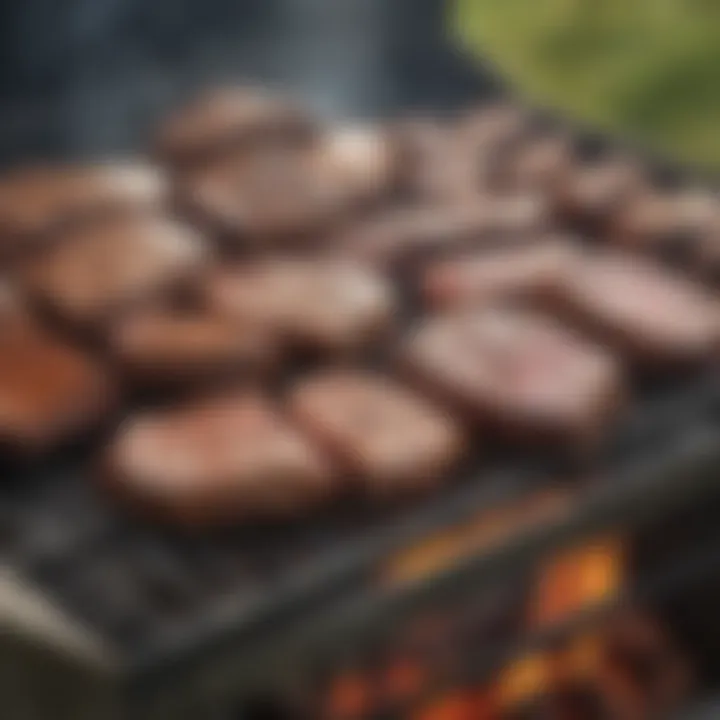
{"x": 225, "y": 119}
{"x": 648, "y": 313}
{"x": 313, "y": 305}
{"x": 268, "y": 197}
{"x": 523, "y": 374}
{"x": 161, "y": 349}
{"x": 408, "y": 233}
{"x": 393, "y": 441}
{"x": 526, "y": 271}
{"x": 217, "y": 461}
{"x": 101, "y": 271}
{"x": 37, "y": 202}
{"x": 594, "y": 194}
{"x": 50, "y": 392}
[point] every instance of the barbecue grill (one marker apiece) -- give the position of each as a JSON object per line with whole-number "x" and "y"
{"x": 179, "y": 622}
{"x": 106, "y": 617}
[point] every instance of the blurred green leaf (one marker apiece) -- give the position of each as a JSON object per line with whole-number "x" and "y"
{"x": 647, "y": 68}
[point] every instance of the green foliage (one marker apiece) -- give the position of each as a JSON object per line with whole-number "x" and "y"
{"x": 647, "y": 68}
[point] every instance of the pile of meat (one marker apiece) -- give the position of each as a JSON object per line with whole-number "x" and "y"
{"x": 505, "y": 286}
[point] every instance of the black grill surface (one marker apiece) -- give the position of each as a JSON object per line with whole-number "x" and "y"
{"x": 143, "y": 586}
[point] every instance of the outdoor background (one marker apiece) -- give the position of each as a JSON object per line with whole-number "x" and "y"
{"x": 89, "y": 76}
{"x": 647, "y": 68}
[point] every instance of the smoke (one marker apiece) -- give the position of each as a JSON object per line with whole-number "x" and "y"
{"x": 90, "y": 76}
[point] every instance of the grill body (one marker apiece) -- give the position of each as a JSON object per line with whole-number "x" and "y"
{"x": 102, "y": 617}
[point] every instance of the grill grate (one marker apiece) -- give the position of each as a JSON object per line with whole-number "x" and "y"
{"x": 140, "y": 585}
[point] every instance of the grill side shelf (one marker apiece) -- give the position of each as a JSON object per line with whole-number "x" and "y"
{"x": 51, "y": 665}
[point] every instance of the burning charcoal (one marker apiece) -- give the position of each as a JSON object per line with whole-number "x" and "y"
{"x": 522, "y": 688}
{"x": 352, "y": 696}
{"x": 641, "y": 666}
{"x": 622, "y": 669}
{"x": 459, "y": 705}
{"x": 577, "y": 579}
{"x": 403, "y": 681}
{"x": 393, "y": 441}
